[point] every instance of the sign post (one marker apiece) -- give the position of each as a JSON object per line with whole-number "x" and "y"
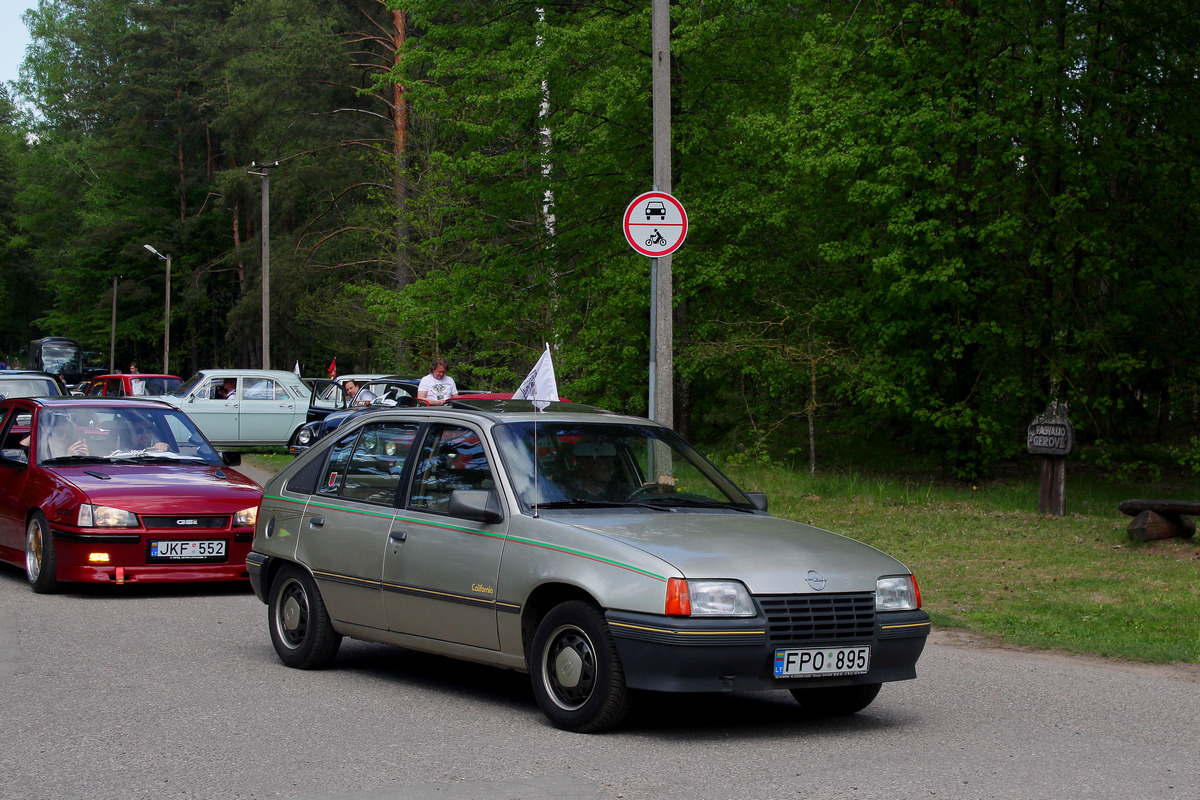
{"x": 1051, "y": 436}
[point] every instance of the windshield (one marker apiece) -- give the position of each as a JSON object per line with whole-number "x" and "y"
{"x": 57, "y": 355}
{"x": 592, "y": 464}
{"x": 107, "y": 433}
{"x": 29, "y": 387}
{"x": 152, "y": 385}
{"x": 186, "y": 388}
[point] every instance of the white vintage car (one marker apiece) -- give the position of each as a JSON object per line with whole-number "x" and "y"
{"x": 600, "y": 553}
{"x": 244, "y": 406}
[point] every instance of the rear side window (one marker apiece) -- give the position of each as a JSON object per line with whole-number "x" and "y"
{"x": 377, "y": 462}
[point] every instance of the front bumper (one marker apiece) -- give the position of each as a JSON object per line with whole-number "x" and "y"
{"x": 127, "y": 555}
{"x": 670, "y": 654}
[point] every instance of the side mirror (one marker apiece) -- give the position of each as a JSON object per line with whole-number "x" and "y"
{"x": 231, "y": 458}
{"x": 480, "y": 505}
{"x": 15, "y": 454}
{"x": 759, "y": 499}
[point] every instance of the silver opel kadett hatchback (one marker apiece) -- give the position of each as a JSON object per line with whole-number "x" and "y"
{"x": 600, "y": 553}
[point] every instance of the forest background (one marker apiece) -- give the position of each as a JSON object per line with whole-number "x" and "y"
{"x": 913, "y": 224}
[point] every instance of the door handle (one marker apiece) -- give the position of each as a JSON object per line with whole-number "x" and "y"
{"x": 398, "y": 536}
{"x": 316, "y": 522}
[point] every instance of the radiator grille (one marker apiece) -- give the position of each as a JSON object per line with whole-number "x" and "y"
{"x": 807, "y": 618}
{"x": 184, "y": 522}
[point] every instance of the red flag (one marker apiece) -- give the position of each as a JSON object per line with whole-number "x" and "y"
{"x": 333, "y": 368}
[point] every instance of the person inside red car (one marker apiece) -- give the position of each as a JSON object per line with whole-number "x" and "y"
{"x": 61, "y": 439}
{"x": 146, "y": 438}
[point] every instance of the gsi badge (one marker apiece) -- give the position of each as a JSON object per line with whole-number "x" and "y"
{"x": 186, "y": 522}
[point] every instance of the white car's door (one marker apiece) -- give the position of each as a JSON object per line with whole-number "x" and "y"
{"x": 216, "y": 417}
{"x": 267, "y": 411}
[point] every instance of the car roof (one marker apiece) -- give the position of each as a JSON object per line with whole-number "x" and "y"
{"x": 508, "y": 410}
{"x": 70, "y": 401}
{"x": 24, "y": 373}
{"x": 135, "y": 375}
{"x": 234, "y": 372}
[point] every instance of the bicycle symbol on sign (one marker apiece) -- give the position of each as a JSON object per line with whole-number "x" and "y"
{"x": 657, "y": 238}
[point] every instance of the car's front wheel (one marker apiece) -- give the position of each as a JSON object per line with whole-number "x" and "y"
{"x": 41, "y": 566}
{"x": 300, "y": 628}
{"x": 576, "y": 672}
{"x": 836, "y": 701}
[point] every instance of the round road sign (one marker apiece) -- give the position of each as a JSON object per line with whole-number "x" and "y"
{"x": 655, "y": 224}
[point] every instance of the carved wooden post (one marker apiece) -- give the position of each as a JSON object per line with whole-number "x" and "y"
{"x": 1051, "y": 436}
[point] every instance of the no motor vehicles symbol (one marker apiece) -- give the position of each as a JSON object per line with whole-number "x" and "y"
{"x": 655, "y": 224}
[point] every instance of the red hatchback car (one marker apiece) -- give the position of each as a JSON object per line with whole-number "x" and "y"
{"x": 118, "y": 491}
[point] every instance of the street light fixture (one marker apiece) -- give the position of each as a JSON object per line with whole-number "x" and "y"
{"x": 167, "y": 312}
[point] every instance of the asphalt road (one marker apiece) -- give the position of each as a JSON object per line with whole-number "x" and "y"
{"x": 175, "y": 692}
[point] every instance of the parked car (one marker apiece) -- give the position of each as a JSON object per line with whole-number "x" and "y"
{"x": 600, "y": 553}
{"x": 332, "y": 406}
{"x": 118, "y": 491}
{"x": 30, "y": 383}
{"x": 262, "y": 407}
{"x": 138, "y": 384}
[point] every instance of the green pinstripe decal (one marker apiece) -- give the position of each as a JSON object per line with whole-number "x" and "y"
{"x": 515, "y": 539}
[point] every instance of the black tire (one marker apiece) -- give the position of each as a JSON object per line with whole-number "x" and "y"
{"x": 836, "y": 701}
{"x": 576, "y": 672}
{"x": 41, "y": 566}
{"x": 301, "y": 631}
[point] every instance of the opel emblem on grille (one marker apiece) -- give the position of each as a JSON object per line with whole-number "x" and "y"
{"x": 815, "y": 579}
{"x": 191, "y": 522}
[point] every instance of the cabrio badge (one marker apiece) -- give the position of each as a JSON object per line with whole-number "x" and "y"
{"x": 815, "y": 579}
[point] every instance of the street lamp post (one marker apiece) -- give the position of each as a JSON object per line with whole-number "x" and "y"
{"x": 166, "y": 312}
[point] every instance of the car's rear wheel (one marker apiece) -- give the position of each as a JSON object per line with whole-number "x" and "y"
{"x": 300, "y": 628}
{"x": 41, "y": 566}
{"x": 836, "y": 701}
{"x": 576, "y": 672}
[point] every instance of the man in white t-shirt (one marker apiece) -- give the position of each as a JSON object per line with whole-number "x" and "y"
{"x": 437, "y": 388}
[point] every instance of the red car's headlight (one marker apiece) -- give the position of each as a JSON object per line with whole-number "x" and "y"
{"x": 106, "y": 517}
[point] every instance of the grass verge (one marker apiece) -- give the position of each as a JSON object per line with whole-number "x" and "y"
{"x": 988, "y": 562}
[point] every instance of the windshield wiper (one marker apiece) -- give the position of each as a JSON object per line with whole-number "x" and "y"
{"x": 578, "y": 502}
{"x": 151, "y": 455}
{"x": 677, "y": 502}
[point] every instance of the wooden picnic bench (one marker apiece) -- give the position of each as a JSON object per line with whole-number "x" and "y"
{"x": 1160, "y": 519}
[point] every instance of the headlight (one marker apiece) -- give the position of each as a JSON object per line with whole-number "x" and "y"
{"x": 708, "y": 598}
{"x": 304, "y": 437}
{"x": 897, "y": 593}
{"x": 246, "y": 518}
{"x": 106, "y": 517}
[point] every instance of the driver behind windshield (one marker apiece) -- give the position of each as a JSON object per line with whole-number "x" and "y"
{"x": 144, "y": 437}
{"x": 594, "y": 477}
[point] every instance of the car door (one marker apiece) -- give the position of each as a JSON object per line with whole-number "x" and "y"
{"x": 346, "y": 525}
{"x": 14, "y": 474}
{"x": 440, "y": 572}
{"x": 267, "y": 410}
{"x": 216, "y": 417}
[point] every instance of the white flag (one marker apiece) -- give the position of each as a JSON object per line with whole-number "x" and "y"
{"x": 297, "y": 369}
{"x": 540, "y": 386}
